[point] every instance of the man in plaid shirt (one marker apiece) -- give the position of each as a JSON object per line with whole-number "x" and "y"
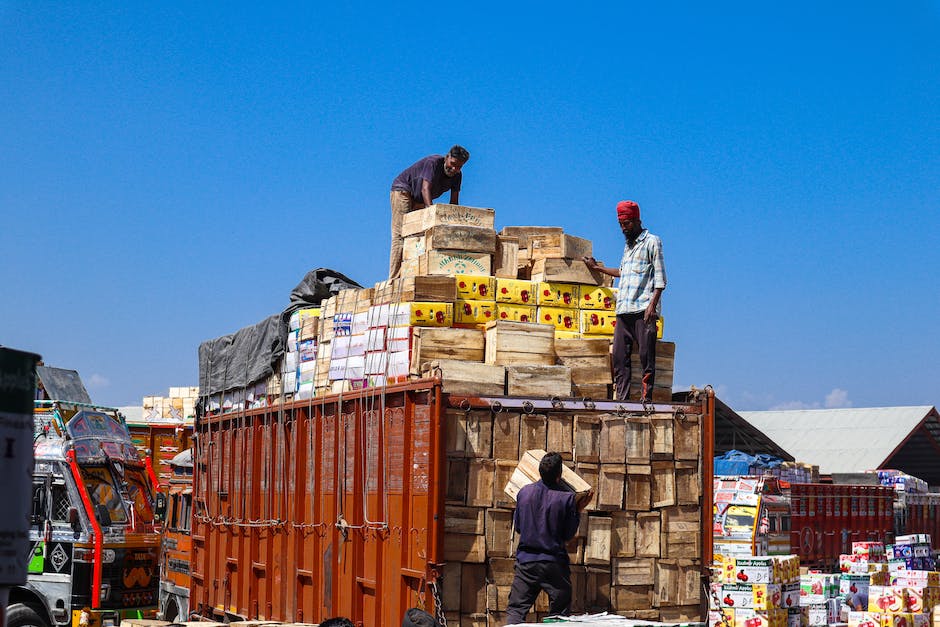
{"x": 642, "y": 275}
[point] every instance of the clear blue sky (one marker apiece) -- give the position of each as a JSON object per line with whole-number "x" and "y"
{"x": 169, "y": 172}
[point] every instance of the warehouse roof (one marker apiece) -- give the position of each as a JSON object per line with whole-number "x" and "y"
{"x": 858, "y": 439}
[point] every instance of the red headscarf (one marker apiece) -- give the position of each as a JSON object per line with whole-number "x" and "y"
{"x": 628, "y": 210}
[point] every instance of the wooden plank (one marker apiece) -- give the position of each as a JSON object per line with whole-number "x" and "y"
{"x": 588, "y": 370}
{"x": 638, "y": 440}
{"x": 633, "y": 571}
{"x": 459, "y": 519}
{"x": 639, "y": 488}
{"x": 610, "y": 487}
{"x": 506, "y": 257}
{"x": 613, "y": 438}
{"x": 687, "y": 436}
{"x": 527, "y": 472}
{"x": 623, "y": 534}
{"x": 432, "y": 343}
{"x": 422, "y": 220}
{"x": 587, "y": 436}
{"x": 663, "y": 484}
{"x": 509, "y": 342}
{"x": 590, "y": 391}
{"x": 647, "y": 534}
{"x": 561, "y": 434}
{"x": 538, "y": 380}
{"x": 506, "y": 435}
{"x": 583, "y": 347}
{"x": 499, "y": 533}
{"x": 558, "y": 245}
{"x": 566, "y": 270}
{"x": 432, "y": 289}
{"x": 469, "y": 378}
{"x": 458, "y": 237}
{"x": 597, "y": 545}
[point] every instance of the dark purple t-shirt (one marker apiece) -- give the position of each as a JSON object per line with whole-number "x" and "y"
{"x": 427, "y": 169}
{"x": 546, "y": 519}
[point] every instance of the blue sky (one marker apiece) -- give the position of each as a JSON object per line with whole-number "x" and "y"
{"x": 168, "y": 173}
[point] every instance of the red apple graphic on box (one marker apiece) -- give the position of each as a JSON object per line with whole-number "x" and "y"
{"x": 729, "y": 601}
{"x": 525, "y": 296}
{"x": 467, "y": 309}
{"x": 463, "y": 284}
{"x": 567, "y": 298}
{"x": 817, "y": 587}
{"x": 502, "y": 314}
{"x": 595, "y": 319}
{"x": 607, "y": 303}
{"x": 503, "y": 290}
{"x": 439, "y": 316}
{"x": 524, "y": 318}
{"x": 742, "y": 576}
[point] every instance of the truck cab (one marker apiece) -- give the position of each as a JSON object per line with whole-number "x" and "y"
{"x": 751, "y": 516}
{"x": 177, "y": 512}
{"x": 94, "y": 542}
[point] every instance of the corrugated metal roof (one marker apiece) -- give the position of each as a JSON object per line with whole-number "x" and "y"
{"x": 840, "y": 440}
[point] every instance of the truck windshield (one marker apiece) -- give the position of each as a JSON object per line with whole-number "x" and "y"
{"x": 140, "y": 496}
{"x": 740, "y": 520}
{"x": 102, "y": 490}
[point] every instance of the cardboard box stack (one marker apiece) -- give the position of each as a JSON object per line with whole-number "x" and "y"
{"x": 757, "y": 591}
{"x": 638, "y": 549}
{"x": 178, "y": 406}
{"x": 517, "y": 312}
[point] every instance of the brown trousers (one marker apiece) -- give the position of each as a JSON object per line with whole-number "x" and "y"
{"x": 402, "y": 203}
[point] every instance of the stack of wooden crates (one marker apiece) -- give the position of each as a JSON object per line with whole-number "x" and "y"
{"x": 637, "y": 551}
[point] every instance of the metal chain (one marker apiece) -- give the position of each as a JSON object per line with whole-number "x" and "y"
{"x": 438, "y": 603}
{"x": 725, "y": 620}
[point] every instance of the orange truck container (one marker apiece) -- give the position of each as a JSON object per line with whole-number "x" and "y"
{"x": 176, "y": 512}
{"x": 340, "y": 505}
{"x": 161, "y": 442}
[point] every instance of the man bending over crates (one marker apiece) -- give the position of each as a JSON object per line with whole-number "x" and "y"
{"x": 418, "y": 186}
{"x": 546, "y": 517}
{"x": 642, "y": 275}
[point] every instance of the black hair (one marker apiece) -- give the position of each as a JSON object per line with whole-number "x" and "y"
{"x": 550, "y": 468}
{"x": 337, "y": 621}
{"x": 459, "y": 153}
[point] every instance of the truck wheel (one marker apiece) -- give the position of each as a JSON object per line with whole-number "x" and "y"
{"x": 21, "y": 615}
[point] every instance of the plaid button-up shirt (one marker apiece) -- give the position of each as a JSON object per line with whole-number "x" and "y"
{"x": 642, "y": 270}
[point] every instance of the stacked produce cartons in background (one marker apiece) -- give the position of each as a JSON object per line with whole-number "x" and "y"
{"x": 905, "y": 593}
{"x": 178, "y": 406}
{"x": 757, "y": 591}
{"x": 820, "y": 599}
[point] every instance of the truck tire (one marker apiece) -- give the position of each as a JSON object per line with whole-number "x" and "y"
{"x": 21, "y": 615}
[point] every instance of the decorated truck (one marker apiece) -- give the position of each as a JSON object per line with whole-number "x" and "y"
{"x": 94, "y": 542}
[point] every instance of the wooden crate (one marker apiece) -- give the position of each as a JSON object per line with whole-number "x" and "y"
{"x": 472, "y": 589}
{"x": 690, "y": 587}
{"x": 422, "y": 220}
{"x": 453, "y": 262}
{"x": 510, "y": 343}
{"x": 499, "y": 533}
{"x": 587, "y": 437}
{"x": 470, "y": 378}
{"x": 666, "y": 590}
{"x": 687, "y": 436}
{"x": 648, "y": 528}
{"x": 450, "y": 589}
{"x": 450, "y": 237}
{"x": 506, "y": 257}
{"x": 461, "y": 519}
{"x": 610, "y": 487}
{"x": 633, "y": 571}
{"x": 500, "y": 570}
{"x": 639, "y": 487}
{"x": 560, "y": 435}
{"x": 688, "y": 483}
{"x": 681, "y": 531}
{"x": 481, "y": 473}
{"x": 588, "y": 358}
{"x": 597, "y": 544}
{"x": 527, "y": 471}
{"x": 455, "y": 433}
{"x": 593, "y": 391}
{"x": 538, "y": 380}
{"x": 590, "y": 473}
{"x": 431, "y": 289}
{"x": 613, "y": 438}
{"x": 525, "y": 233}
{"x": 623, "y": 534}
{"x": 558, "y": 245}
{"x": 456, "y": 489}
{"x": 479, "y": 428}
{"x": 566, "y": 271}
{"x": 433, "y": 343}
{"x": 637, "y": 439}
{"x": 462, "y": 547}
{"x": 506, "y": 435}
{"x": 533, "y": 432}
{"x": 632, "y": 597}
{"x": 661, "y": 431}
{"x": 503, "y": 475}
{"x": 497, "y": 598}
{"x": 663, "y": 484}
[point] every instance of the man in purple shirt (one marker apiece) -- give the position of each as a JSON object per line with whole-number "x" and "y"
{"x": 418, "y": 186}
{"x": 547, "y": 516}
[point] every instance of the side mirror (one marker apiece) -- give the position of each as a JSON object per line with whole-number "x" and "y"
{"x": 103, "y": 515}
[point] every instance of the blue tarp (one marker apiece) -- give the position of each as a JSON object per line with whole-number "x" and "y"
{"x": 740, "y": 463}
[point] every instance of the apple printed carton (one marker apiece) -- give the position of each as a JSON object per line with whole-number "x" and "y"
{"x": 820, "y": 614}
{"x": 737, "y": 595}
{"x": 854, "y": 591}
{"x": 756, "y": 570}
{"x": 856, "y": 563}
{"x": 904, "y": 551}
{"x": 471, "y": 287}
{"x": 865, "y": 619}
{"x": 905, "y": 619}
{"x": 794, "y": 617}
{"x": 873, "y": 551}
{"x": 887, "y": 599}
{"x": 788, "y": 567}
{"x": 913, "y": 538}
{"x": 922, "y": 578}
{"x": 760, "y": 618}
{"x": 767, "y": 596}
{"x": 790, "y": 595}
{"x": 818, "y": 588}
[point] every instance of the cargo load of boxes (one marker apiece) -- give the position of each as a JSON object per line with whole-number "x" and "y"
{"x": 178, "y": 406}
{"x": 878, "y": 586}
{"x": 516, "y": 312}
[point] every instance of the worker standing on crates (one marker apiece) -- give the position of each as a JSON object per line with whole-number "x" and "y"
{"x": 417, "y": 187}
{"x": 642, "y": 275}
{"x": 546, "y": 516}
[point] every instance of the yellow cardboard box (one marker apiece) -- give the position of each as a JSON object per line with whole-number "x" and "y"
{"x": 473, "y": 287}
{"x": 563, "y": 319}
{"x": 558, "y": 294}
